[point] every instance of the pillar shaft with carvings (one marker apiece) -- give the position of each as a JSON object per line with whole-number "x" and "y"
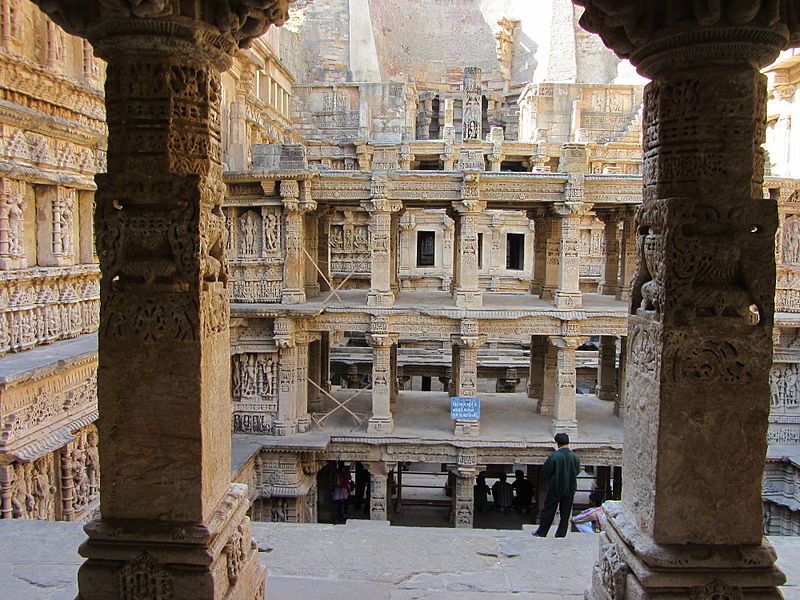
{"x": 547, "y": 402}
{"x": 378, "y": 489}
{"x": 467, "y": 292}
{"x": 177, "y": 529}
{"x": 568, "y": 294}
{"x": 607, "y": 368}
{"x": 610, "y": 282}
{"x": 381, "y": 420}
{"x": 536, "y": 370}
{"x": 551, "y": 242}
{"x": 383, "y": 254}
{"x": 628, "y": 256}
{"x": 564, "y": 413}
{"x": 465, "y": 371}
{"x": 702, "y": 304}
{"x": 295, "y": 207}
{"x": 288, "y": 382}
{"x": 464, "y": 498}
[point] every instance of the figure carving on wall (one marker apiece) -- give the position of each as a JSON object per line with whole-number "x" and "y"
{"x": 785, "y": 385}
{"x": 248, "y": 224}
{"x": 791, "y": 240}
{"x": 271, "y": 232}
{"x": 92, "y": 463}
{"x": 22, "y": 501}
{"x": 336, "y": 239}
{"x": 43, "y": 493}
{"x": 361, "y": 242}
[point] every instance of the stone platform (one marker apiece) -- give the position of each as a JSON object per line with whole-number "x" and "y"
{"x": 362, "y": 560}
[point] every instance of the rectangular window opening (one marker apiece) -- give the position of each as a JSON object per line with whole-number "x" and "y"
{"x": 426, "y": 248}
{"x": 515, "y": 251}
{"x": 480, "y": 250}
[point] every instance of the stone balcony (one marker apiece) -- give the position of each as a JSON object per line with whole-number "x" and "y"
{"x": 362, "y": 560}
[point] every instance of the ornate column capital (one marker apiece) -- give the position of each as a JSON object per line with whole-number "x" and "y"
{"x": 658, "y": 36}
{"x": 609, "y": 216}
{"x": 284, "y": 333}
{"x": 384, "y": 205}
{"x": 216, "y": 28}
{"x": 565, "y": 343}
{"x": 382, "y": 340}
{"x": 567, "y": 209}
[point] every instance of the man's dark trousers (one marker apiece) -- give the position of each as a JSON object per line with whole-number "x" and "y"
{"x": 564, "y": 505}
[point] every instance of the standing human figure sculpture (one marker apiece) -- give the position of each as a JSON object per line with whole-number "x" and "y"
{"x": 561, "y": 469}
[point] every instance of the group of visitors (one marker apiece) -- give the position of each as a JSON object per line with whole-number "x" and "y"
{"x": 561, "y": 471}
{"x": 505, "y": 495}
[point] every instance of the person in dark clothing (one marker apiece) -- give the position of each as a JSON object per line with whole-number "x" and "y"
{"x": 502, "y": 493}
{"x": 362, "y": 487}
{"x": 561, "y": 469}
{"x": 523, "y": 488}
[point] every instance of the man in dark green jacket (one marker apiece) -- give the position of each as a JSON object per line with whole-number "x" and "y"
{"x": 561, "y": 469}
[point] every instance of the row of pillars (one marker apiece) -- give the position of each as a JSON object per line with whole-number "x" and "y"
{"x": 553, "y": 377}
{"x": 556, "y": 264}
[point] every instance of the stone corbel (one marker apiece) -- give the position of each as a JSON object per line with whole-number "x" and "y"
{"x": 382, "y": 340}
{"x": 284, "y": 333}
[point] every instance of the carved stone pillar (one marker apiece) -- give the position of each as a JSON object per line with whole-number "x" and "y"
{"x": 568, "y": 294}
{"x": 536, "y": 372}
{"x": 302, "y": 417}
{"x": 384, "y": 253}
{"x": 378, "y": 493}
{"x": 464, "y": 498}
{"x": 610, "y": 282}
{"x": 295, "y": 207}
{"x": 607, "y": 368}
{"x": 177, "y": 529}
{"x": 551, "y": 239}
{"x": 467, "y": 292}
{"x": 6, "y": 491}
{"x": 700, "y": 332}
{"x": 539, "y": 249}
{"x": 619, "y": 402}
{"x": 288, "y": 384}
{"x": 547, "y": 402}
{"x": 381, "y": 419}
{"x": 12, "y": 222}
{"x": 465, "y": 371}
{"x": 564, "y": 415}
{"x": 628, "y": 256}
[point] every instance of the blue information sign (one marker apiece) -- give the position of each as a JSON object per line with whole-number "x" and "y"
{"x": 465, "y": 409}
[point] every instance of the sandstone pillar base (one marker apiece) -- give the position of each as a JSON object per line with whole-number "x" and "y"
{"x": 607, "y": 288}
{"x": 304, "y": 423}
{"x": 568, "y": 427}
{"x": 467, "y": 428}
{"x": 568, "y": 299}
{"x": 632, "y": 566}
{"x": 467, "y": 299}
{"x": 380, "y": 425}
{"x": 284, "y": 428}
{"x": 293, "y": 297}
{"x": 608, "y": 393}
{"x": 177, "y": 561}
{"x": 380, "y": 299}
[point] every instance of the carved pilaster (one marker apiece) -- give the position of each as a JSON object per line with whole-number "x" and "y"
{"x": 700, "y": 334}
{"x": 472, "y": 105}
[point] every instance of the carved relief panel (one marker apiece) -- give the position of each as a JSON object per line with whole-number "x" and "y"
{"x": 255, "y": 249}
{"x": 12, "y": 208}
{"x": 29, "y": 490}
{"x": 349, "y": 244}
{"x": 254, "y": 382}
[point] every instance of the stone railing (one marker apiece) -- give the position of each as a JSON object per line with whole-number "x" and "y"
{"x": 45, "y": 304}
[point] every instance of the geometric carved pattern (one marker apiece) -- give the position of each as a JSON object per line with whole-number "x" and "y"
{"x": 144, "y": 579}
